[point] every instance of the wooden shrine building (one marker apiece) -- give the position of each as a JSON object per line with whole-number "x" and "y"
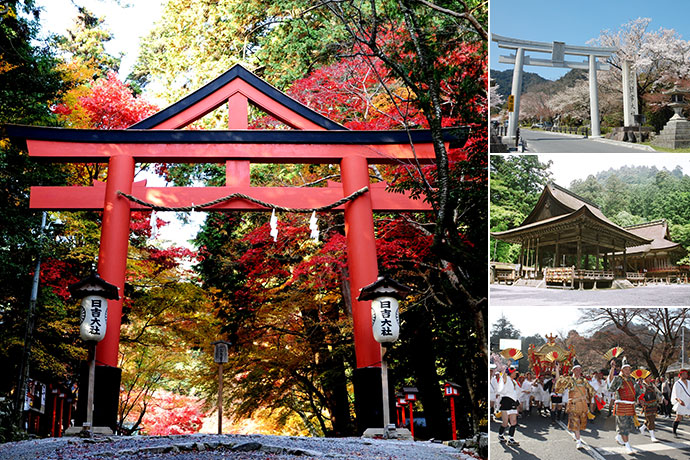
{"x": 656, "y": 260}
{"x": 567, "y": 240}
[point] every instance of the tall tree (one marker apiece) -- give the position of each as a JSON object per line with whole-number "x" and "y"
{"x": 29, "y": 82}
{"x": 656, "y": 341}
{"x": 84, "y": 44}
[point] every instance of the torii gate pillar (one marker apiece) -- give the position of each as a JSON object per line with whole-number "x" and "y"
{"x": 515, "y": 91}
{"x": 594, "y": 97}
{"x": 112, "y": 253}
{"x": 363, "y": 269}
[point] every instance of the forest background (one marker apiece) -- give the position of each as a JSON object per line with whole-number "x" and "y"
{"x": 628, "y": 195}
{"x": 284, "y": 305}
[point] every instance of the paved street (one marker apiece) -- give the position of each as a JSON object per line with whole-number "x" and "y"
{"x": 541, "y": 439}
{"x": 547, "y": 142}
{"x": 661, "y": 295}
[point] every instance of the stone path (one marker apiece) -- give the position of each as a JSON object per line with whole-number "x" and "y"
{"x": 203, "y": 447}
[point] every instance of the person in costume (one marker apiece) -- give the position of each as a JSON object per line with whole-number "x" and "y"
{"x": 599, "y": 399}
{"x": 580, "y": 393}
{"x": 623, "y": 388}
{"x": 493, "y": 387}
{"x": 556, "y": 400}
{"x": 509, "y": 393}
{"x": 541, "y": 397}
{"x": 680, "y": 398}
{"x": 527, "y": 387}
{"x": 649, "y": 397}
{"x": 666, "y": 393}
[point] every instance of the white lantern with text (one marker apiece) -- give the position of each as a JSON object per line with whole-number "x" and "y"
{"x": 94, "y": 318}
{"x": 385, "y": 319}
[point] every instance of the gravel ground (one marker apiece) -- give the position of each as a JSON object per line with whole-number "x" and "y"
{"x": 230, "y": 447}
{"x": 658, "y": 295}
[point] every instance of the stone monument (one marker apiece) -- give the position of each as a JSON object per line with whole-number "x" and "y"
{"x": 676, "y": 133}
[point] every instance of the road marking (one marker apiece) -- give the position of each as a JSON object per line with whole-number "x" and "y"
{"x": 651, "y": 447}
{"x": 589, "y": 449}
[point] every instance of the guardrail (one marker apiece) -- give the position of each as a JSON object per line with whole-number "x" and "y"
{"x": 581, "y": 130}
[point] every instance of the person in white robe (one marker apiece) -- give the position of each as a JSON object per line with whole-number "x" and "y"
{"x": 527, "y": 389}
{"x": 680, "y": 398}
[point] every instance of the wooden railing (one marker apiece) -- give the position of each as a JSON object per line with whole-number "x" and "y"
{"x": 594, "y": 275}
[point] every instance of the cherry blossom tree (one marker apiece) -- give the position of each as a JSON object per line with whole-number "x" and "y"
{"x": 659, "y": 57}
{"x": 495, "y": 99}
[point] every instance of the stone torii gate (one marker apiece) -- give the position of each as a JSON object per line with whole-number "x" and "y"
{"x": 558, "y": 51}
{"x": 158, "y": 139}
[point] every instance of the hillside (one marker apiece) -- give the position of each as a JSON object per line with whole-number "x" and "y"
{"x": 533, "y": 82}
{"x": 504, "y": 80}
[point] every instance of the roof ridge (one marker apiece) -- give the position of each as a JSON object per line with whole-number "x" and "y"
{"x": 647, "y": 224}
{"x": 215, "y": 84}
{"x": 573, "y": 194}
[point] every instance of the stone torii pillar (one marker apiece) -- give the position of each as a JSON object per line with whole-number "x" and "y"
{"x": 594, "y": 97}
{"x": 516, "y": 90}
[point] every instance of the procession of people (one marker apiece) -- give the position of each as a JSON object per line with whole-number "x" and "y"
{"x": 636, "y": 398}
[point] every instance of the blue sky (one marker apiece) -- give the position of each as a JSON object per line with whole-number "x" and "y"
{"x": 576, "y": 22}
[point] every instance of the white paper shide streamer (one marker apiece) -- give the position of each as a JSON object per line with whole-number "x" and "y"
{"x": 314, "y": 227}
{"x": 274, "y": 226}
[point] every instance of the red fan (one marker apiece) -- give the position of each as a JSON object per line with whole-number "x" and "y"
{"x": 551, "y": 356}
{"x": 613, "y": 353}
{"x": 511, "y": 353}
{"x": 640, "y": 373}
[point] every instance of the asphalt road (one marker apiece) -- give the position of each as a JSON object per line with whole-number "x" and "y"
{"x": 547, "y": 142}
{"x": 661, "y": 295}
{"x": 541, "y": 439}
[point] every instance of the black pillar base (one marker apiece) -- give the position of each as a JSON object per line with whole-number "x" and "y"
{"x": 106, "y": 396}
{"x": 369, "y": 400}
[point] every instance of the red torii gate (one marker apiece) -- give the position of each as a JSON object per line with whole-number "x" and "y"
{"x": 159, "y": 139}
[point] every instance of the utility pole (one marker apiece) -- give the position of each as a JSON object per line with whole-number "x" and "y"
{"x": 29, "y": 332}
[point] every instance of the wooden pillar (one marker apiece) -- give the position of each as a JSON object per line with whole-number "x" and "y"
{"x": 579, "y": 253}
{"x": 237, "y": 171}
{"x": 363, "y": 268}
{"x": 556, "y": 255}
{"x": 625, "y": 260}
{"x": 112, "y": 255}
{"x": 537, "y": 264}
{"x": 361, "y": 257}
{"x": 597, "y": 258}
{"x": 521, "y": 260}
